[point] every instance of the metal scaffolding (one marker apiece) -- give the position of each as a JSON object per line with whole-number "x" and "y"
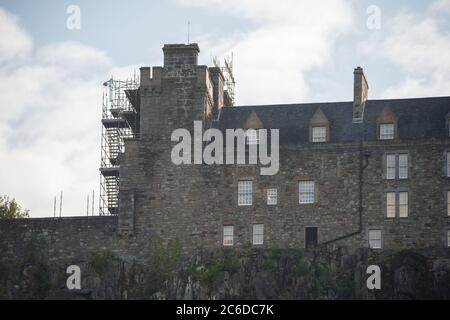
{"x": 120, "y": 120}
{"x": 227, "y": 72}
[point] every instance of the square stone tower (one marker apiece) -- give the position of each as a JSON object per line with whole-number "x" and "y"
{"x": 170, "y": 97}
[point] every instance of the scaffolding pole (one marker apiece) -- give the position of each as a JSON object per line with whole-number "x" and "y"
{"x": 119, "y": 121}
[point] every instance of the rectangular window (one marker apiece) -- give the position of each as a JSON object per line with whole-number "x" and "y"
{"x": 403, "y": 204}
{"x": 403, "y": 166}
{"x": 390, "y": 204}
{"x": 386, "y": 131}
{"x": 258, "y": 234}
{"x": 375, "y": 240}
{"x": 448, "y": 238}
{"x": 448, "y": 203}
{"x": 397, "y": 166}
{"x": 306, "y": 192}
{"x": 272, "y": 196}
{"x": 390, "y": 166}
{"x": 252, "y": 136}
{"x": 245, "y": 193}
{"x": 448, "y": 163}
{"x": 319, "y": 134}
{"x": 228, "y": 235}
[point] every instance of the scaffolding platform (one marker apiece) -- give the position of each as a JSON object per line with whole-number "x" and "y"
{"x": 120, "y": 120}
{"x": 110, "y": 172}
{"x": 115, "y": 123}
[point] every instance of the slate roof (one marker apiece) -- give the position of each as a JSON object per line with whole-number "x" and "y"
{"x": 417, "y": 118}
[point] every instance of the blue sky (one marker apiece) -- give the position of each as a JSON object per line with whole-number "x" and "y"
{"x": 284, "y": 51}
{"x": 133, "y": 32}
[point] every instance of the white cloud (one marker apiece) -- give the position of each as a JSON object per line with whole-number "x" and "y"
{"x": 440, "y": 7}
{"x": 50, "y": 121}
{"x": 14, "y": 41}
{"x": 418, "y": 45}
{"x": 286, "y": 40}
{"x": 71, "y": 55}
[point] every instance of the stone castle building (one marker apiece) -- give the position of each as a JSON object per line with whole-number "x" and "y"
{"x": 360, "y": 180}
{"x": 357, "y": 174}
{"x": 361, "y": 173}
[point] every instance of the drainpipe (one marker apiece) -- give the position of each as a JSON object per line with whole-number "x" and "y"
{"x": 363, "y": 163}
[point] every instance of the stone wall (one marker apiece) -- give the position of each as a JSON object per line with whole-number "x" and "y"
{"x": 36, "y": 254}
{"x": 70, "y": 236}
{"x": 194, "y": 202}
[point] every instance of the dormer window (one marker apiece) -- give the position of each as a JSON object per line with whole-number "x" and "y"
{"x": 387, "y": 124}
{"x": 387, "y": 131}
{"x": 251, "y": 127}
{"x": 319, "y": 134}
{"x": 252, "y": 136}
{"x": 319, "y": 127}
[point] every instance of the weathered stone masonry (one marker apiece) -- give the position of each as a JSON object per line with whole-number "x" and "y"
{"x": 192, "y": 203}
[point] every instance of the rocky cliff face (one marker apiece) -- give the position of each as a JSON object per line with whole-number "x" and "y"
{"x": 229, "y": 274}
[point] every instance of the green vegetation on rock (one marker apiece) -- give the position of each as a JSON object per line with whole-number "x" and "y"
{"x": 162, "y": 262}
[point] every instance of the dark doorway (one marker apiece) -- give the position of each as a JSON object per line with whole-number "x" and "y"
{"x": 311, "y": 237}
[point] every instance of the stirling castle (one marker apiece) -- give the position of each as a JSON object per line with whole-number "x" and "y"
{"x": 370, "y": 175}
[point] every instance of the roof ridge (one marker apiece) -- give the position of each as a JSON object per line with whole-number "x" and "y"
{"x": 289, "y": 104}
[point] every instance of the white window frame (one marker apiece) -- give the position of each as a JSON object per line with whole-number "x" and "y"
{"x": 228, "y": 236}
{"x": 397, "y": 204}
{"x": 319, "y": 134}
{"x": 387, "y": 131}
{"x": 306, "y": 192}
{"x": 252, "y": 136}
{"x": 403, "y": 204}
{"x": 245, "y": 192}
{"x": 272, "y": 196}
{"x": 403, "y": 165}
{"x": 375, "y": 235}
{"x": 448, "y": 203}
{"x": 391, "y": 204}
{"x": 397, "y": 166}
{"x": 448, "y": 238}
{"x": 390, "y": 166}
{"x": 448, "y": 163}
{"x": 258, "y": 234}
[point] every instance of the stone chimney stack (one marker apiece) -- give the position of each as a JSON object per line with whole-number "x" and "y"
{"x": 218, "y": 82}
{"x": 360, "y": 92}
{"x": 180, "y": 54}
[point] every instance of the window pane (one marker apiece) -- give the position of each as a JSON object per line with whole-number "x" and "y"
{"x": 319, "y": 134}
{"x": 228, "y": 232}
{"x": 448, "y": 238}
{"x": 375, "y": 239}
{"x": 386, "y": 131}
{"x": 258, "y": 234}
{"x": 448, "y": 203}
{"x": 390, "y": 204}
{"x": 390, "y": 166}
{"x": 403, "y": 166}
{"x": 272, "y": 196}
{"x": 306, "y": 191}
{"x": 245, "y": 193}
{"x": 403, "y": 204}
{"x": 252, "y": 136}
{"x": 448, "y": 164}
